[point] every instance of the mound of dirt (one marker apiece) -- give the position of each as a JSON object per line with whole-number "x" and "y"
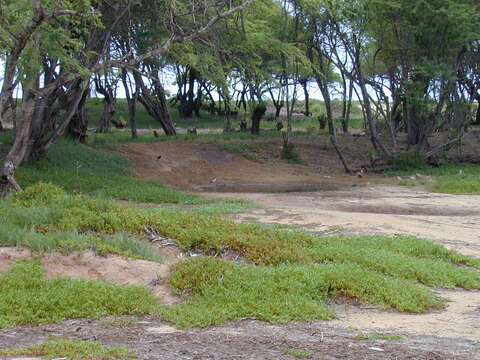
{"x": 87, "y": 265}
{"x": 195, "y": 166}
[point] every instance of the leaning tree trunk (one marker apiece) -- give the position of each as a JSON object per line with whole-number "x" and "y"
{"x": 78, "y": 126}
{"x": 328, "y": 105}
{"x": 156, "y": 106}
{"x": 21, "y": 145}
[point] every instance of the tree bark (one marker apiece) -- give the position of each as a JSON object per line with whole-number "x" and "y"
{"x": 304, "y": 84}
{"x": 328, "y": 105}
{"x": 257, "y": 114}
{"x": 78, "y": 125}
{"x": 156, "y": 106}
{"x": 20, "y": 146}
{"x": 107, "y": 89}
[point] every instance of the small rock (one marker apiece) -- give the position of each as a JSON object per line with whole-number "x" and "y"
{"x": 162, "y": 330}
{"x": 376, "y": 349}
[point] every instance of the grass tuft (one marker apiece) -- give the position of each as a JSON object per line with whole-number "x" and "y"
{"x": 28, "y": 297}
{"x": 287, "y": 275}
{"x": 299, "y": 354}
{"x": 449, "y": 178}
{"x": 72, "y": 350}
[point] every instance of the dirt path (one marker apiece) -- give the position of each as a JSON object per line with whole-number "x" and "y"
{"x": 152, "y": 339}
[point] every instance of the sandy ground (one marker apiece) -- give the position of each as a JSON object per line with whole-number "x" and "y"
{"x": 152, "y": 339}
{"x": 452, "y": 220}
{"x": 195, "y": 166}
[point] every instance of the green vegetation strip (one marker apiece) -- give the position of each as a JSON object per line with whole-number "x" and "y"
{"x": 72, "y": 350}
{"x": 224, "y": 291}
{"x": 287, "y": 275}
{"x": 448, "y": 178}
{"x": 27, "y": 297}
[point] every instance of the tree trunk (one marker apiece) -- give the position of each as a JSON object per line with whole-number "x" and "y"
{"x": 278, "y": 110}
{"x": 413, "y": 125}
{"x": 21, "y": 144}
{"x": 346, "y": 103}
{"x": 107, "y": 116}
{"x": 132, "y": 115}
{"x": 328, "y": 105}
{"x": 187, "y": 99}
{"x": 131, "y": 96}
{"x": 416, "y": 115}
{"x": 78, "y": 126}
{"x": 257, "y": 114}
{"x": 156, "y": 106}
{"x": 307, "y": 97}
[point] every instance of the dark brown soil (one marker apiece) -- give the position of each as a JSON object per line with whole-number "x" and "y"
{"x": 192, "y": 165}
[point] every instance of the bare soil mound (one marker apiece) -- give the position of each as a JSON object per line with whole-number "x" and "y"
{"x": 87, "y": 265}
{"x": 195, "y": 166}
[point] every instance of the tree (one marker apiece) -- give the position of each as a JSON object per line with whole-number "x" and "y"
{"x": 57, "y": 32}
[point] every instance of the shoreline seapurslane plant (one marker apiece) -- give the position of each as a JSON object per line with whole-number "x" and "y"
{"x": 284, "y": 275}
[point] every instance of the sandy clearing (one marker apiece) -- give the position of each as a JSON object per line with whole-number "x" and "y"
{"x": 452, "y": 220}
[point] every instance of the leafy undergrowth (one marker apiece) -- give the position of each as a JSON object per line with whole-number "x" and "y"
{"x": 110, "y": 140}
{"x": 448, "y": 178}
{"x": 72, "y": 350}
{"x": 23, "y": 225}
{"x": 287, "y": 275}
{"x": 28, "y": 297}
